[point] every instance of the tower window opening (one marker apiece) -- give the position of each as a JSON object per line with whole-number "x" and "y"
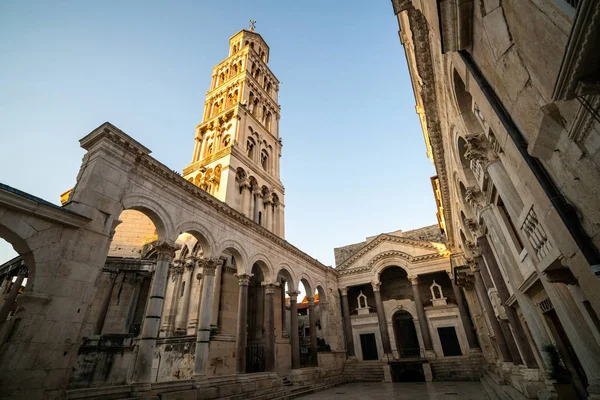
{"x": 182, "y": 289}
{"x": 260, "y": 217}
{"x": 268, "y": 121}
{"x": 264, "y": 159}
{"x": 268, "y": 88}
{"x": 250, "y": 149}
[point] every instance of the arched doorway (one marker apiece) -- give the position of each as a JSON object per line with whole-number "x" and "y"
{"x": 405, "y": 335}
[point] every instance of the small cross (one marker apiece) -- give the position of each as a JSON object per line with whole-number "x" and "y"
{"x": 252, "y": 25}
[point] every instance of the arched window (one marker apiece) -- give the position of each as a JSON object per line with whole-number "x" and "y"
{"x": 234, "y": 70}
{"x": 268, "y": 88}
{"x": 264, "y": 159}
{"x": 221, "y": 78}
{"x": 226, "y": 141}
{"x": 210, "y": 149}
{"x": 255, "y": 107}
{"x": 264, "y": 114}
{"x": 268, "y": 121}
{"x": 252, "y": 45}
{"x": 250, "y": 145}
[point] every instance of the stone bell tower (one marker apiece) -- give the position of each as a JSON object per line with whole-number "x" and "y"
{"x": 237, "y": 151}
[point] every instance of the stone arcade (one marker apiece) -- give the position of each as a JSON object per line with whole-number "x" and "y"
{"x": 151, "y": 284}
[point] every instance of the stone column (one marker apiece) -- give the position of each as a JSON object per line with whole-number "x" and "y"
{"x": 464, "y": 316}
{"x": 203, "y": 337}
{"x": 267, "y": 212}
{"x": 504, "y": 325}
{"x": 284, "y": 332}
{"x": 195, "y": 303}
{"x": 182, "y": 317}
{"x": 294, "y": 329}
{"x": 12, "y": 295}
{"x": 312, "y": 320}
{"x": 269, "y": 326}
{"x": 147, "y": 341}
{"x": 105, "y": 303}
{"x": 347, "y": 323}
{"x": 511, "y": 313}
{"x": 4, "y": 285}
{"x": 487, "y": 304}
{"x": 245, "y": 186}
{"x": 423, "y": 324}
{"x": 242, "y": 324}
{"x": 136, "y": 281}
{"x": 257, "y": 204}
{"x": 383, "y": 328}
{"x": 216, "y": 305}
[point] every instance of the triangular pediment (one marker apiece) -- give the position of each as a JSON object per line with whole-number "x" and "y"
{"x": 388, "y": 245}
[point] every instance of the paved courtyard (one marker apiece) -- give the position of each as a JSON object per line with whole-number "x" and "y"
{"x": 384, "y": 391}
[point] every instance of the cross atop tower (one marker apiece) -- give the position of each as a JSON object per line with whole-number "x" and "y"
{"x": 252, "y": 25}
{"x": 236, "y": 156}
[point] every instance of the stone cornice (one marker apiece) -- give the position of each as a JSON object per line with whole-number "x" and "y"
{"x": 207, "y": 160}
{"x": 424, "y": 62}
{"x": 162, "y": 172}
{"x": 30, "y": 205}
{"x": 395, "y": 239}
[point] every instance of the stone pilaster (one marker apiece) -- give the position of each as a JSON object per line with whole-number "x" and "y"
{"x": 464, "y": 316}
{"x": 511, "y": 313}
{"x": 105, "y": 303}
{"x": 12, "y": 295}
{"x": 489, "y": 310}
{"x": 383, "y": 328}
{"x": 147, "y": 341}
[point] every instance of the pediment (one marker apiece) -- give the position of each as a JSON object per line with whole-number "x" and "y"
{"x": 394, "y": 246}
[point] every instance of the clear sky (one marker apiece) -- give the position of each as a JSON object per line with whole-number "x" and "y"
{"x": 353, "y": 163}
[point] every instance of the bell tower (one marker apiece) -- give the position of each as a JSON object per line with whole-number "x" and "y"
{"x": 237, "y": 150}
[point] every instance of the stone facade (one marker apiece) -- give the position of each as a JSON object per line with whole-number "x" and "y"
{"x": 510, "y": 122}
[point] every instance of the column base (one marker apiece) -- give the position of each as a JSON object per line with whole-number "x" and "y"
{"x": 430, "y": 355}
{"x": 387, "y": 373}
{"x": 137, "y": 389}
{"x": 427, "y": 372}
{"x": 474, "y": 350}
{"x": 199, "y": 381}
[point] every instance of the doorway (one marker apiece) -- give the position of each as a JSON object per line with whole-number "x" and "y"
{"x": 449, "y": 341}
{"x": 405, "y": 334}
{"x": 368, "y": 345}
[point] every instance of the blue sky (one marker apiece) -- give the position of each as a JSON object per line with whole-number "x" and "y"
{"x": 353, "y": 162}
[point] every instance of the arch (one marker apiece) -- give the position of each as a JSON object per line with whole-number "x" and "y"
{"x": 264, "y": 264}
{"x": 202, "y": 235}
{"x": 409, "y": 310}
{"x": 238, "y": 253}
{"x": 464, "y": 104}
{"x": 285, "y": 271}
{"x": 390, "y": 259}
{"x": 306, "y": 281}
{"x": 320, "y": 288}
{"x": 11, "y": 230}
{"x": 153, "y": 210}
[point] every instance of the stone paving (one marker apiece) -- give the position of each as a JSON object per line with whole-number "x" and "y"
{"x": 384, "y": 391}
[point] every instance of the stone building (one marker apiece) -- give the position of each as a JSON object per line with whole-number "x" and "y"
{"x": 507, "y": 94}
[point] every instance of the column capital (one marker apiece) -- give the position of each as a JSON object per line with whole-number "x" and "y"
{"x": 344, "y": 291}
{"x": 450, "y": 273}
{"x": 269, "y": 286}
{"x": 293, "y": 295}
{"x": 165, "y": 250}
{"x": 245, "y": 184}
{"x": 176, "y": 268}
{"x": 209, "y": 265}
{"x": 311, "y": 301}
{"x": 376, "y": 285}
{"x": 190, "y": 263}
{"x": 243, "y": 279}
{"x": 414, "y": 279}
